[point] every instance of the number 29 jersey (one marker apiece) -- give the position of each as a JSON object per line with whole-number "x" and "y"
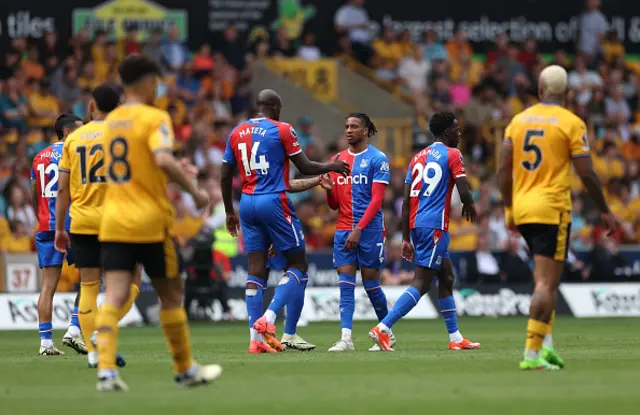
{"x": 545, "y": 138}
{"x": 83, "y": 159}
{"x": 45, "y": 174}
{"x": 431, "y": 174}
{"x": 261, "y": 148}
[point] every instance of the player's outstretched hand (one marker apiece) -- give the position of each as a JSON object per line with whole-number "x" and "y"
{"x": 272, "y": 252}
{"x": 326, "y": 182}
{"x": 408, "y": 252}
{"x": 610, "y": 221}
{"x": 233, "y": 224}
{"x": 353, "y": 240}
{"x": 61, "y": 241}
{"x": 201, "y": 199}
{"x": 341, "y": 166}
{"x": 469, "y": 212}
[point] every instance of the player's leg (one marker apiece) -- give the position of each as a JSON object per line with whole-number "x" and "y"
{"x": 50, "y": 262}
{"x": 254, "y": 294}
{"x": 73, "y": 337}
{"x": 429, "y": 247}
{"x": 290, "y": 338}
{"x": 371, "y": 261}
{"x": 278, "y": 218}
{"x": 256, "y": 244}
{"x": 345, "y": 263}
{"x": 134, "y": 290}
{"x": 448, "y": 308}
{"x": 549, "y": 353}
{"x": 119, "y": 262}
{"x": 50, "y": 278}
{"x": 161, "y": 263}
{"x": 543, "y": 244}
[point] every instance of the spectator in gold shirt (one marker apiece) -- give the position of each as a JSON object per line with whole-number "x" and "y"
{"x": 18, "y": 240}
{"x": 387, "y": 47}
{"x": 43, "y": 105}
{"x": 464, "y": 235}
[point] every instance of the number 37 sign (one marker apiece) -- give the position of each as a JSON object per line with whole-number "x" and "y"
{"x": 21, "y": 278}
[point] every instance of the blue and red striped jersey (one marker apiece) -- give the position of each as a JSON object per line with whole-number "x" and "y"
{"x": 45, "y": 174}
{"x": 354, "y": 192}
{"x": 261, "y": 148}
{"x": 431, "y": 174}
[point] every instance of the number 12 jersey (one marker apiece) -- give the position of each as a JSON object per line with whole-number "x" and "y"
{"x": 431, "y": 174}
{"x": 261, "y": 148}
{"x": 45, "y": 174}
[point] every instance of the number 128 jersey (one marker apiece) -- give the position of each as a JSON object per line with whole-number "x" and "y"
{"x": 261, "y": 147}
{"x": 431, "y": 174}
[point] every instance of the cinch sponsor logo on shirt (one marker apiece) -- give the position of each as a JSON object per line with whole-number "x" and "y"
{"x": 359, "y": 179}
{"x": 253, "y": 130}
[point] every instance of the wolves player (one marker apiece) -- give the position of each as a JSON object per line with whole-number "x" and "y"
{"x": 540, "y": 145}
{"x": 360, "y": 236}
{"x": 425, "y": 222}
{"x": 82, "y": 182}
{"x": 262, "y": 147}
{"x": 44, "y": 189}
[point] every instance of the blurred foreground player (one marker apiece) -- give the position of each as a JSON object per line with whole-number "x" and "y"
{"x": 534, "y": 178}
{"x": 358, "y": 243}
{"x": 135, "y": 220}
{"x": 430, "y": 179}
{"x": 83, "y": 183}
{"x": 261, "y": 148}
{"x": 45, "y": 175}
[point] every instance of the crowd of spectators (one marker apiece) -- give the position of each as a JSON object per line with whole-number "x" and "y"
{"x": 208, "y": 91}
{"x": 485, "y": 90}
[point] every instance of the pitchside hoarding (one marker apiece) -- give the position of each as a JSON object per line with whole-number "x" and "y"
{"x": 554, "y": 24}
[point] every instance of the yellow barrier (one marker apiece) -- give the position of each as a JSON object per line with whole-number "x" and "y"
{"x": 318, "y": 77}
{"x": 394, "y": 138}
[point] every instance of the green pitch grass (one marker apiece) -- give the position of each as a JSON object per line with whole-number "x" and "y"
{"x": 421, "y": 377}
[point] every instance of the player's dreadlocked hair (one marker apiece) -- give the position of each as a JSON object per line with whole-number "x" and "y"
{"x": 367, "y": 122}
{"x": 440, "y": 121}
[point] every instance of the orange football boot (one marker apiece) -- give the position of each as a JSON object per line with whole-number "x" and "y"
{"x": 269, "y": 332}
{"x": 465, "y": 344}
{"x": 256, "y": 347}
{"x": 381, "y": 338}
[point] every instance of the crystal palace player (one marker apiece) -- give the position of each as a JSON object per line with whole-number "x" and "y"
{"x": 44, "y": 189}
{"x": 360, "y": 236}
{"x": 425, "y": 222}
{"x": 262, "y": 148}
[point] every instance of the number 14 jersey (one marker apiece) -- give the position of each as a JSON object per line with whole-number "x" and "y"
{"x": 431, "y": 174}
{"x": 261, "y": 148}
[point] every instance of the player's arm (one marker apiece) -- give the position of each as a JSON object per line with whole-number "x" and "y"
{"x": 313, "y": 168}
{"x": 226, "y": 186}
{"x": 64, "y": 193}
{"x": 505, "y": 179}
{"x": 581, "y": 157}
{"x": 34, "y": 196}
{"x": 408, "y": 252}
{"x": 161, "y": 143}
{"x": 307, "y": 167}
{"x": 462, "y": 184}
{"x": 381, "y": 179}
{"x": 300, "y": 185}
{"x": 63, "y": 199}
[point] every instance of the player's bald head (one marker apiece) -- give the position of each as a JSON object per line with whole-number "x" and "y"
{"x": 269, "y": 103}
{"x": 553, "y": 82}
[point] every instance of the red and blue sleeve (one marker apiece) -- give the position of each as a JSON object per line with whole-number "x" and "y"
{"x": 289, "y": 139}
{"x": 229, "y": 155}
{"x": 408, "y": 179}
{"x": 456, "y": 164}
{"x": 377, "y": 197}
